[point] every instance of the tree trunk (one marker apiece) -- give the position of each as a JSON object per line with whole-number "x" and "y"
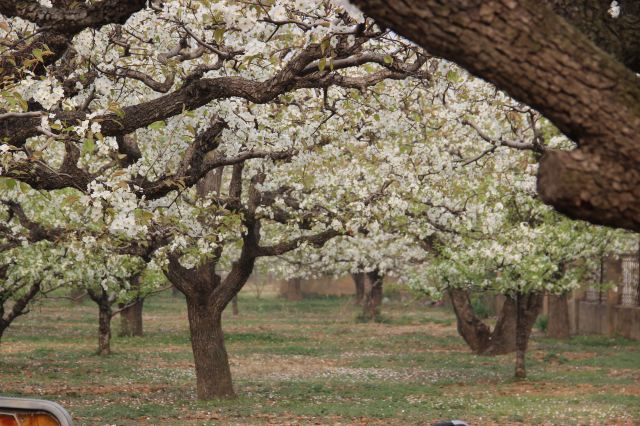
{"x": 213, "y": 374}
{"x": 131, "y": 320}
{"x": 371, "y": 307}
{"x": 104, "y": 328}
{"x": 234, "y": 306}
{"x": 558, "y": 326}
{"x": 359, "y": 281}
{"x": 477, "y": 334}
{"x": 294, "y": 289}
{"x": 527, "y": 309}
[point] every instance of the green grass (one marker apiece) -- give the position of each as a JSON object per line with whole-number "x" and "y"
{"x": 311, "y": 362}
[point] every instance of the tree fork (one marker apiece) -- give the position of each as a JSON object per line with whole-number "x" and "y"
{"x": 480, "y": 338}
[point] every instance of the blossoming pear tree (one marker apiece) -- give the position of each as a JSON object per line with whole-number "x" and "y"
{"x": 504, "y": 240}
{"x": 70, "y": 248}
{"x": 135, "y": 108}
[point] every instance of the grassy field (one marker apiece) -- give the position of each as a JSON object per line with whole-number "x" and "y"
{"x": 310, "y": 362}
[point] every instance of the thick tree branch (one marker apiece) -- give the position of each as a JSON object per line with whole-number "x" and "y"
{"x": 200, "y": 92}
{"x": 71, "y": 20}
{"x": 37, "y": 232}
{"x": 542, "y": 60}
{"x": 20, "y": 306}
{"x": 617, "y": 36}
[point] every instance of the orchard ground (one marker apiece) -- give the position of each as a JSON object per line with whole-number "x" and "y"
{"x": 311, "y": 362}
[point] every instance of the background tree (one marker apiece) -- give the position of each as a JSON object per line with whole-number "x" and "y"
{"x": 520, "y": 249}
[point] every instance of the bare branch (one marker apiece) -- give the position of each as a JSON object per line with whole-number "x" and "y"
{"x": 316, "y": 240}
{"x": 520, "y": 145}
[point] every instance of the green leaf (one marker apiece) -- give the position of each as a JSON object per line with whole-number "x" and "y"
{"x": 453, "y": 76}
{"x": 37, "y": 53}
{"x": 218, "y": 35}
{"x": 157, "y": 125}
{"x": 324, "y": 45}
{"x": 89, "y": 145}
{"x": 322, "y": 64}
{"x": 388, "y": 59}
{"x": 10, "y": 184}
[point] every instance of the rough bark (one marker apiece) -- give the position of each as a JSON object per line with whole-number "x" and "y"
{"x": 206, "y": 300}
{"x": 359, "y": 281}
{"x": 104, "y": 301}
{"x": 213, "y": 374}
{"x": 503, "y": 337}
{"x": 131, "y": 319}
{"x": 371, "y": 306}
{"x": 542, "y": 60}
{"x": 73, "y": 20}
{"x": 480, "y": 338}
{"x": 619, "y": 36}
{"x": 558, "y": 326}
{"x": 294, "y": 289}
{"x": 528, "y": 307}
